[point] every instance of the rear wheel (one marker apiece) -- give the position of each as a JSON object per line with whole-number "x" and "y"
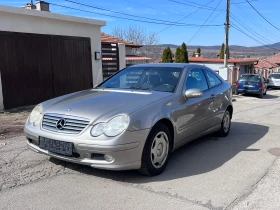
{"x": 156, "y": 151}
{"x": 225, "y": 124}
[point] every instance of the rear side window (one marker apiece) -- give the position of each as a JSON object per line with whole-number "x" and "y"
{"x": 213, "y": 79}
{"x": 250, "y": 78}
{"x": 274, "y": 76}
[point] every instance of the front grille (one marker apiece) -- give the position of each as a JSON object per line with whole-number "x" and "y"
{"x": 71, "y": 125}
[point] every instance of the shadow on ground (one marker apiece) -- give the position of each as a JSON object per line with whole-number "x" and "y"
{"x": 200, "y": 156}
{"x": 267, "y": 96}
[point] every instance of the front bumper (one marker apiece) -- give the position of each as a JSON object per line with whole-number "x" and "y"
{"x": 125, "y": 156}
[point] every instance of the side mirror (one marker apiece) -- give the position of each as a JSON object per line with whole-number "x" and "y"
{"x": 193, "y": 93}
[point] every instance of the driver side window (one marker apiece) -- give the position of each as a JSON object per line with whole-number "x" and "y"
{"x": 196, "y": 79}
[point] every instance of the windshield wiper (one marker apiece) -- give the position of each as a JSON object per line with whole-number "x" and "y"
{"x": 140, "y": 88}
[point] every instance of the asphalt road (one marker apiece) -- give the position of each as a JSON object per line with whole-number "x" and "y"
{"x": 240, "y": 171}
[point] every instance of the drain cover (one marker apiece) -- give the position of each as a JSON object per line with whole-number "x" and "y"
{"x": 274, "y": 151}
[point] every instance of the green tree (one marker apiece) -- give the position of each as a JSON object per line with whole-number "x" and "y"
{"x": 178, "y": 55}
{"x": 222, "y": 52}
{"x": 198, "y": 50}
{"x": 184, "y": 53}
{"x": 166, "y": 56}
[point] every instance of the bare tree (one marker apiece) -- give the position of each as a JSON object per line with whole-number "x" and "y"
{"x": 136, "y": 34}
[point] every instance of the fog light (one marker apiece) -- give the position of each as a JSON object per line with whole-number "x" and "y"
{"x": 108, "y": 158}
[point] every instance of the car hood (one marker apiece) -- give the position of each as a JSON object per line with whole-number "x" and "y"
{"x": 102, "y": 104}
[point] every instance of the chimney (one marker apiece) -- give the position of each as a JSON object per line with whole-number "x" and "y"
{"x": 42, "y": 6}
{"x": 29, "y": 6}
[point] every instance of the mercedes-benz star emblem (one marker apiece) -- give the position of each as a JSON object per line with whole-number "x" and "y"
{"x": 60, "y": 124}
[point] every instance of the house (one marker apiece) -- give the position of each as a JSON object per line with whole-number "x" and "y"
{"x": 236, "y": 66}
{"x": 130, "y": 50}
{"x": 44, "y": 55}
{"x": 265, "y": 67}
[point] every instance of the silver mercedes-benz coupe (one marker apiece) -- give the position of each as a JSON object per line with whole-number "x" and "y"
{"x": 134, "y": 119}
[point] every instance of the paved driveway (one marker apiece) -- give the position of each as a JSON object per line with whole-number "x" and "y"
{"x": 237, "y": 172}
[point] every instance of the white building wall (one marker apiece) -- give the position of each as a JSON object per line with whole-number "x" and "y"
{"x": 122, "y": 62}
{"x": 214, "y": 66}
{"x": 15, "y": 19}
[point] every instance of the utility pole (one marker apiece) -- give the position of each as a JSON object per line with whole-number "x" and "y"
{"x": 227, "y": 33}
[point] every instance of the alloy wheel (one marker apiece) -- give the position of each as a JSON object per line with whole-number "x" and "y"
{"x": 159, "y": 149}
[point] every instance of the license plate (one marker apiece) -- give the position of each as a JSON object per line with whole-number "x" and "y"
{"x": 58, "y": 147}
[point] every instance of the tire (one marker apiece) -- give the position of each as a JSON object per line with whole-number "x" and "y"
{"x": 156, "y": 151}
{"x": 225, "y": 124}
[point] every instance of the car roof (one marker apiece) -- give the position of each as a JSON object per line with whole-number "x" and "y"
{"x": 178, "y": 65}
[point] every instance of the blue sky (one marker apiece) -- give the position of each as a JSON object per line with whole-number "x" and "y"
{"x": 243, "y": 17}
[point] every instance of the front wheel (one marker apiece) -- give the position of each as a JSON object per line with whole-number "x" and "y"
{"x": 225, "y": 124}
{"x": 156, "y": 151}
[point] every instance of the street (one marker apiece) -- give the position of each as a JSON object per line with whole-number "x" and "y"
{"x": 240, "y": 171}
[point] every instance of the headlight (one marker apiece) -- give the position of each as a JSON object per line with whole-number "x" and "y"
{"x": 113, "y": 127}
{"x": 35, "y": 116}
{"x": 98, "y": 129}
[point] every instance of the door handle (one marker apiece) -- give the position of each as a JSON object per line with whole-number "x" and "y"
{"x": 212, "y": 96}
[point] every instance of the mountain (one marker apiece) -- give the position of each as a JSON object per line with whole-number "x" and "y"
{"x": 212, "y": 51}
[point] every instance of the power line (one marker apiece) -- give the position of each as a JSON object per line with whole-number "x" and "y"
{"x": 265, "y": 46}
{"x": 204, "y": 22}
{"x": 202, "y": 6}
{"x": 152, "y": 7}
{"x": 250, "y": 29}
{"x": 185, "y": 17}
{"x": 163, "y": 21}
{"x": 121, "y": 13}
{"x": 136, "y": 20}
{"x": 243, "y": 2}
{"x": 263, "y": 16}
{"x": 160, "y": 9}
{"x": 259, "y": 26}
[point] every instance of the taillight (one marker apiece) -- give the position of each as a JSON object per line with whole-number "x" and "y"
{"x": 261, "y": 85}
{"x": 236, "y": 83}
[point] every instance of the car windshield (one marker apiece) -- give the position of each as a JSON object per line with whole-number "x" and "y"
{"x": 274, "y": 76}
{"x": 163, "y": 79}
{"x": 250, "y": 78}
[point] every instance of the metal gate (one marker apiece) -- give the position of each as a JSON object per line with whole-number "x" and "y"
{"x": 110, "y": 59}
{"x": 35, "y": 68}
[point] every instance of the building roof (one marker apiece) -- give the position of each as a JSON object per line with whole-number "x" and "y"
{"x": 218, "y": 60}
{"x": 136, "y": 57}
{"x": 50, "y": 15}
{"x": 112, "y": 39}
{"x": 265, "y": 64}
{"x": 274, "y": 59}
{"x": 130, "y": 58}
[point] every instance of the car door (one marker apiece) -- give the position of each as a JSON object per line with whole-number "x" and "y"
{"x": 216, "y": 108}
{"x": 193, "y": 116}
